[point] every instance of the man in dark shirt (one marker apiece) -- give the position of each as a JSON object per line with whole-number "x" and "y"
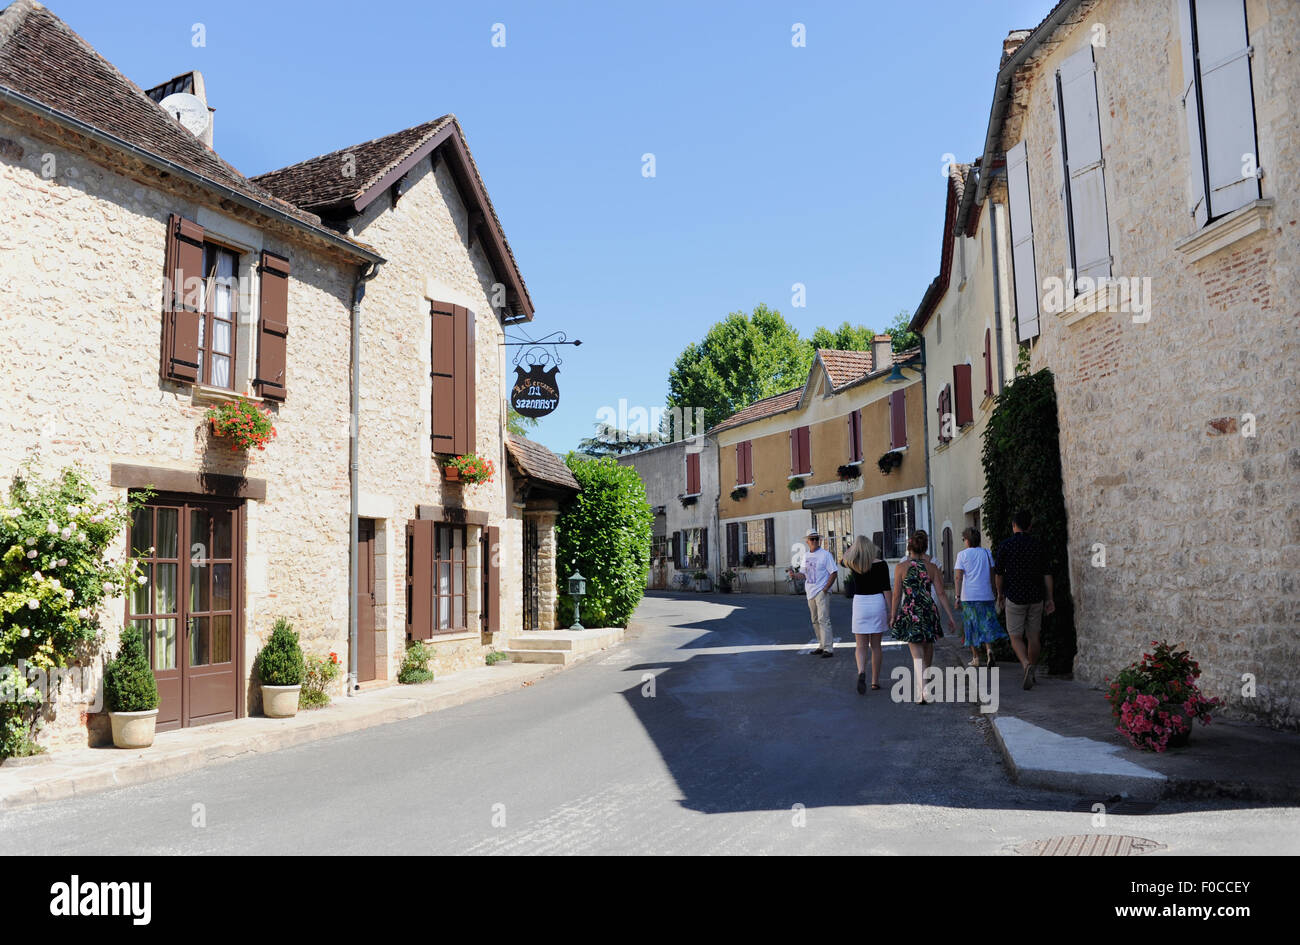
{"x": 1024, "y": 587}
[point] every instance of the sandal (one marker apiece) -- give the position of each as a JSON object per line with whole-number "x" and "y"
{"x": 875, "y": 685}
{"x": 862, "y": 683}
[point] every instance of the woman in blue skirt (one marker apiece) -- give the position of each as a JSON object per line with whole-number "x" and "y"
{"x": 979, "y": 615}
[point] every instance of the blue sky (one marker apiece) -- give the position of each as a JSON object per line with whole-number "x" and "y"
{"x": 774, "y": 164}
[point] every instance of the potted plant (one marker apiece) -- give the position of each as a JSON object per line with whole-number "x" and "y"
{"x": 739, "y": 493}
{"x": 280, "y": 669}
{"x": 131, "y": 693}
{"x": 243, "y": 422}
{"x": 1156, "y": 700}
{"x": 847, "y": 471}
{"x": 701, "y": 580}
{"x": 725, "y": 580}
{"x": 689, "y": 500}
{"x": 753, "y": 559}
{"x": 469, "y": 468}
{"x": 891, "y": 460}
{"x": 795, "y": 483}
{"x": 319, "y": 673}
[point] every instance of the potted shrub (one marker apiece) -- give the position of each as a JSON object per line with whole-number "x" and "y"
{"x": 469, "y": 468}
{"x": 847, "y": 471}
{"x": 701, "y": 580}
{"x": 795, "y": 483}
{"x": 131, "y": 693}
{"x": 739, "y": 493}
{"x": 725, "y": 580}
{"x": 891, "y": 460}
{"x": 280, "y": 669}
{"x": 1155, "y": 701}
{"x": 753, "y": 559}
{"x": 243, "y": 422}
{"x": 689, "y": 500}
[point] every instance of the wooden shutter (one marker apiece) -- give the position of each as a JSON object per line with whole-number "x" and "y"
{"x": 794, "y": 453}
{"x": 183, "y": 299}
{"x": 453, "y": 372}
{"x": 878, "y": 539}
{"x": 749, "y": 460}
{"x": 855, "y": 436}
{"x": 492, "y": 575}
{"x": 1197, "y": 205}
{"x": 1022, "y": 244}
{"x": 802, "y": 451}
{"x": 273, "y": 328}
{"x": 988, "y": 362}
{"x": 1226, "y": 101}
{"x": 898, "y": 419}
{"x": 704, "y": 547}
{"x": 419, "y": 579}
{"x": 961, "y": 382}
{"x": 1080, "y": 141}
{"x": 733, "y": 544}
{"x": 769, "y": 539}
{"x": 677, "y": 549}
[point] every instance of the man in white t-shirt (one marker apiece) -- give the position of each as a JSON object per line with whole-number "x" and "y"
{"x": 819, "y": 571}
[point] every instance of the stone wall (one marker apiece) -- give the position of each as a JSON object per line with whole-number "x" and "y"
{"x": 1179, "y": 434}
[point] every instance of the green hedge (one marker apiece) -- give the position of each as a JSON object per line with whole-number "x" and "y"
{"x": 604, "y": 533}
{"x": 1022, "y": 470}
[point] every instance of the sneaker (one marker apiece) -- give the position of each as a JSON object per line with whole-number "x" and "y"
{"x": 817, "y": 652}
{"x": 827, "y": 654}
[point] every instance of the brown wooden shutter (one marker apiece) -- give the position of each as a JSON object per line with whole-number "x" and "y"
{"x": 273, "y": 333}
{"x": 961, "y": 383}
{"x": 677, "y": 549}
{"x": 733, "y": 544}
{"x": 749, "y": 460}
{"x": 419, "y": 579}
{"x": 878, "y": 539}
{"x": 794, "y": 453}
{"x": 182, "y": 301}
{"x": 897, "y": 419}
{"x": 704, "y": 547}
{"x": 988, "y": 362}
{"x": 453, "y": 374}
{"x": 803, "y": 453}
{"x": 769, "y": 536}
{"x": 492, "y": 575}
{"x": 855, "y": 436}
{"x": 692, "y": 473}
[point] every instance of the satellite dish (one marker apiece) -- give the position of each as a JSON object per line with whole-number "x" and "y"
{"x": 189, "y": 110}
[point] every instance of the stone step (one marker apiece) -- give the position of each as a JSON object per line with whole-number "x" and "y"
{"x": 560, "y": 657}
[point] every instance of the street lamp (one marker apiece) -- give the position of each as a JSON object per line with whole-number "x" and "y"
{"x": 577, "y": 590}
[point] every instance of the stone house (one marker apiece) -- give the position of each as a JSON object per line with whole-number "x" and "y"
{"x": 147, "y": 280}
{"x": 681, "y": 484}
{"x": 1150, "y": 161}
{"x": 815, "y": 457}
{"x": 966, "y": 326}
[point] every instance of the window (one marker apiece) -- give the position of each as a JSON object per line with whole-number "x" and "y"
{"x": 1082, "y": 182}
{"x": 836, "y": 528}
{"x": 436, "y": 588}
{"x": 692, "y": 474}
{"x": 449, "y": 575}
{"x": 659, "y": 549}
{"x": 800, "y": 452}
{"x": 219, "y": 309}
{"x": 898, "y": 419}
{"x": 1025, "y": 278}
{"x": 751, "y": 544}
{"x": 855, "y": 436}
{"x": 1219, "y": 107}
{"x": 692, "y": 550}
{"x": 745, "y": 463}
{"x": 900, "y": 521}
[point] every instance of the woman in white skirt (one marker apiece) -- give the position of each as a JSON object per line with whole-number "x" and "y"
{"x": 871, "y": 616}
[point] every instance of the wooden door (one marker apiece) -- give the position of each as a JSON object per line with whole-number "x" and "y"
{"x": 190, "y": 606}
{"x": 365, "y": 600}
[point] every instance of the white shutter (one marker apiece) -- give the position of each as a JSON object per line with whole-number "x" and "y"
{"x": 1022, "y": 244}
{"x": 1081, "y": 152}
{"x": 1223, "y": 60}
{"x": 1192, "y": 112}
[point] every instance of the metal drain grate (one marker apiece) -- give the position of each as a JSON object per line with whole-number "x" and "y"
{"x": 1091, "y": 844}
{"x": 1116, "y": 805}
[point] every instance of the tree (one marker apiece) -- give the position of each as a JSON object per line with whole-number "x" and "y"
{"x": 845, "y": 338}
{"x": 741, "y": 359}
{"x": 518, "y": 424}
{"x": 904, "y": 338}
{"x": 604, "y": 533}
{"x": 611, "y": 441}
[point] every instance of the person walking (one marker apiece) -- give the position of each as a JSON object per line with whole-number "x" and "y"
{"x": 871, "y": 602}
{"x": 916, "y": 614}
{"x": 819, "y": 573}
{"x": 973, "y": 575}
{"x": 1024, "y": 588}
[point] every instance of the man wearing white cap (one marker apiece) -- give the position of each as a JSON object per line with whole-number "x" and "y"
{"x": 819, "y": 572}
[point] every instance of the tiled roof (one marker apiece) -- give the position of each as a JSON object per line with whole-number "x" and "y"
{"x": 845, "y": 367}
{"x": 537, "y": 462}
{"x": 42, "y": 58}
{"x": 321, "y": 182}
{"x": 767, "y": 407}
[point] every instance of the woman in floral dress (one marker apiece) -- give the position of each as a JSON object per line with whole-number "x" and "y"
{"x": 916, "y": 615}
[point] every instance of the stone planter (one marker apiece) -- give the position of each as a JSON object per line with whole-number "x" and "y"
{"x": 133, "y": 729}
{"x": 280, "y": 702}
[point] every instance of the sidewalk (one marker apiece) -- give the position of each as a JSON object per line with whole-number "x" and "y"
{"x": 76, "y": 771}
{"x": 1060, "y": 735}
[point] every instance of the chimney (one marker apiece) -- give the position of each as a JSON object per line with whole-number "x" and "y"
{"x": 1013, "y": 42}
{"x": 882, "y": 353}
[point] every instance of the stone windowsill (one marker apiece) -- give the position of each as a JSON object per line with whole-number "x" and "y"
{"x": 1109, "y": 296}
{"x": 203, "y": 394}
{"x": 459, "y": 635}
{"x": 1227, "y": 230}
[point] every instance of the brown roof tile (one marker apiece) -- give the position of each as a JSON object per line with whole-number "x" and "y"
{"x": 42, "y": 58}
{"x": 759, "y": 409}
{"x": 845, "y": 367}
{"x": 537, "y": 462}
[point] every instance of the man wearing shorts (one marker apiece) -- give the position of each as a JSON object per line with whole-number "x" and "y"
{"x": 1024, "y": 586}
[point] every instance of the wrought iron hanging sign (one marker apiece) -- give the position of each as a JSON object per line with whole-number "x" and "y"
{"x": 536, "y": 392}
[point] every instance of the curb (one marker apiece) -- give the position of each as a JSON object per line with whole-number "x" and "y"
{"x": 1101, "y": 784}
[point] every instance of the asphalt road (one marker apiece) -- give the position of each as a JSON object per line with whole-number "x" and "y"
{"x": 709, "y": 731}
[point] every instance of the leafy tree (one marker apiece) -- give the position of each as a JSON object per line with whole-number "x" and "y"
{"x": 604, "y": 533}
{"x": 611, "y": 441}
{"x": 741, "y": 359}
{"x": 518, "y": 424}
{"x": 845, "y": 338}
{"x": 904, "y": 337}
{"x": 1022, "y": 470}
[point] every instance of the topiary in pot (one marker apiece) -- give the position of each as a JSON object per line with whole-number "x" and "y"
{"x": 131, "y": 693}
{"x": 280, "y": 668}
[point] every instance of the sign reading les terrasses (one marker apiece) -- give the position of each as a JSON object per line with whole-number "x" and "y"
{"x": 536, "y": 392}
